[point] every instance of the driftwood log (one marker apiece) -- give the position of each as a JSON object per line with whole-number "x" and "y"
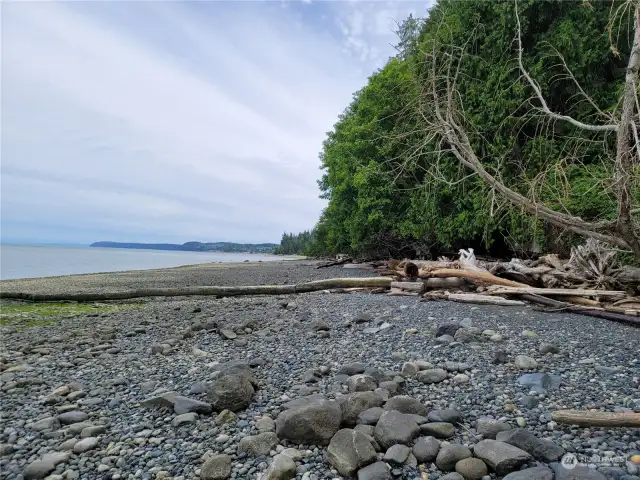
{"x": 555, "y": 292}
{"x": 597, "y": 419}
{"x": 314, "y": 286}
{"x": 482, "y": 299}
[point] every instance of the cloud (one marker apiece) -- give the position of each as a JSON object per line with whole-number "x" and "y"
{"x": 170, "y": 121}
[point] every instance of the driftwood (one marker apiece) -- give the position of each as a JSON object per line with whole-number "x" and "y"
{"x": 597, "y": 419}
{"x": 482, "y": 277}
{"x": 213, "y": 290}
{"x": 340, "y": 261}
{"x": 554, "y": 291}
{"x": 417, "y": 287}
{"x": 482, "y": 299}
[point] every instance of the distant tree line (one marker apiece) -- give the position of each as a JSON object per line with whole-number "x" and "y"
{"x": 296, "y": 244}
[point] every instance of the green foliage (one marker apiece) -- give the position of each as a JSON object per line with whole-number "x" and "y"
{"x": 394, "y": 190}
{"x": 297, "y": 244}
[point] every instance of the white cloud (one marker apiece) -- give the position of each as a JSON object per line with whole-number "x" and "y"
{"x": 171, "y": 121}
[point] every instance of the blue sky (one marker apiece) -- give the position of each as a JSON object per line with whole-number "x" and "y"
{"x": 175, "y": 121}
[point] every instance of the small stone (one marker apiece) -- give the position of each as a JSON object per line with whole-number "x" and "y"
{"x": 434, "y": 375}
{"x": 521, "y": 421}
{"x": 438, "y": 429}
{"x": 529, "y": 334}
{"x": 266, "y": 424}
{"x": 85, "y": 445}
{"x": 461, "y": 378}
{"x": 217, "y": 467}
{"x": 546, "y": 348}
{"x": 489, "y": 428}
{"x": 500, "y": 357}
{"x": 228, "y": 334}
{"x": 190, "y": 417}
{"x": 447, "y": 329}
{"x": 444, "y": 340}
{"x": 226, "y": 416}
{"x": 471, "y": 468}
{"x": 361, "y": 383}
{"x": 395, "y": 427}
{"x": 524, "y": 362}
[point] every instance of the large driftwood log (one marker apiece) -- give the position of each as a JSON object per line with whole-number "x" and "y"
{"x": 409, "y": 286}
{"x": 213, "y": 290}
{"x": 597, "y": 419}
{"x": 578, "y": 292}
{"x": 475, "y": 276}
{"x": 482, "y": 299}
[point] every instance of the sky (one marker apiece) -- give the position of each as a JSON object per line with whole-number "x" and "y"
{"x": 155, "y": 121}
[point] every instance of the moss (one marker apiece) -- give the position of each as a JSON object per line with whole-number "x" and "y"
{"x": 34, "y": 314}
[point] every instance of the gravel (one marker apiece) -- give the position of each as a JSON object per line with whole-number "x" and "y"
{"x": 72, "y": 389}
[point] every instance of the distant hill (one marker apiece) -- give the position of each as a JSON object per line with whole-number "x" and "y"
{"x": 194, "y": 246}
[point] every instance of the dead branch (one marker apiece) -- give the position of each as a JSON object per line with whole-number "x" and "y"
{"x": 578, "y": 292}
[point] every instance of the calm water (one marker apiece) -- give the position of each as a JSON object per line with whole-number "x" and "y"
{"x": 21, "y": 261}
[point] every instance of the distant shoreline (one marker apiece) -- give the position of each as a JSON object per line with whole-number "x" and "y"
{"x": 223, "y": 247}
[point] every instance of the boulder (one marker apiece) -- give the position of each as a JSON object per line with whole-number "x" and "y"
{"x": 231, "y": 392}
{"x": 395, "y": 427}
{"x": 350, "y": 450}
{"x": 369, "y": 417}
{"x": 406, "y": 404}
{"x": 260, "y": 444}
{"x": 535, "y": 473}
{"x": 361, "y": 383}
{"x": 450, "y": 454}
{"x": 217, "y": 467}
{"x": 397, "y": 454}
{"x": 489, "y": 427}
{"x": 282, "y": 468}
{"x": 448, "y": 415}
{"x": 426, "y": 449}
{"x": 541, "y": 449}
{"x": 352, "y": 369}
{"x": 313, "y": 421}
{"x": 375, "y": 471}
{"x": 471, "y": 468}
{"x": 500, "y": 456}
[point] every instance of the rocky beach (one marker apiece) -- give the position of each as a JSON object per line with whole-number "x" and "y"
{"x": 310, "y": 386}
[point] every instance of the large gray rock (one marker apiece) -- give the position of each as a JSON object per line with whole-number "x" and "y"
{"x": 433, "y": 375}
{"x": 43, "y": 466}
{"x": 450, "y": 454}
{"x": 48, "y": 423}
{"x": 375, "y": 471}
{"x": 535, "y": 473}
{"x": 426, "y": 449}
{"x": 406, "y": 404}
{"x": 260, "y": 444}
{"x": 85, "y": 445}
{"x": 361, "y": 383}
{"x": 217, "y": 467}
{"x": 313, "y": 421}
{"x": 523, "y": 362}
{"x": 356, "y": 403}
{"x": 448, "y": 415}
{"x": 189, "y": 405}
{"x": 395, "y": 427}
{"x": 500, "y": 456}
{"x": 232, "y": 391}
{"x": 579, "y": 472}
{"x": 541, "y": 449}
{"x": 370, "y": 416}
{"x": 397, "y": 454}
{"x": 282, "y": 468}
{"x": 352, "y": 369}
{"x": 237, "y": 367}
{"x": 350, "y": 450}
{"x": 489, "y": 427}
{"x": 468, "y": 335}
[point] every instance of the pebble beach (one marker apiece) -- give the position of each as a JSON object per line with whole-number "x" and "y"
{"x": 310, "y": 386}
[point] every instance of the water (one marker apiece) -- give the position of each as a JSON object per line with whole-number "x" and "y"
{"x": 26, "y": 261}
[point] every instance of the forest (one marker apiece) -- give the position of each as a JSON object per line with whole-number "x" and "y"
{"x": 534, "y": 95}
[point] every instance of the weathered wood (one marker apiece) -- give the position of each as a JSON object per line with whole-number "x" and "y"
{"x": 482, "y": 299}
{"x": 340, "y": 261}
{"x": 475, "y": 276}
{"x": 597, "y": 419}
{"x": 409, "y": 286}
{"x": 501, "y": 290}
{"x": 217, "y": 291}
{"x": 445, "y": 282}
